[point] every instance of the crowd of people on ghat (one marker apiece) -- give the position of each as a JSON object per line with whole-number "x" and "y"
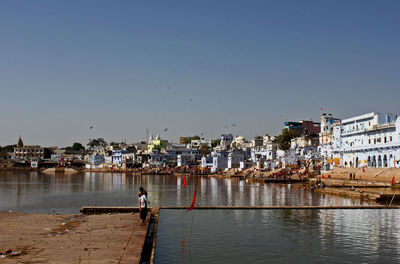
{"x": 170, "y": 170}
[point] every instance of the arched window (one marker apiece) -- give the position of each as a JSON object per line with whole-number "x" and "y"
{"x": 379, "y": 161}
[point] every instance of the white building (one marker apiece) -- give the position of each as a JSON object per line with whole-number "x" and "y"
{"x": 240, "y": 143}
{"x": 220, "y": 161}
{"x": 286, "y": 157}
{"x": 371, "y": 140}
{"x": 236, "y": 160}
{"x": 326, "y": 135}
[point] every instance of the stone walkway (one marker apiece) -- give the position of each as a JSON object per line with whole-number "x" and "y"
{"x": 106, "y": 238}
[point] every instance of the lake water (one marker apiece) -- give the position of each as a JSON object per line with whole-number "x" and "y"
{"x": 221, "y": 236}
{"x": 278, "y": 236}
{"x": 40, "y": 193}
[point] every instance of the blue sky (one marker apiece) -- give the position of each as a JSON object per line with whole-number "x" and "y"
{"x": 190, "y": 66}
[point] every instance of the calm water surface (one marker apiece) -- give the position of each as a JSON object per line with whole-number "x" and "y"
{"x": 221, "y": 236}
{"x": 41, "y": 193}
{"x": 278, "y": 236}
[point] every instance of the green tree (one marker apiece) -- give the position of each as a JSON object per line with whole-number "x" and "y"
{"x": 77, "y": 146}
{"x": 285, "y": 137}
{"x": 97, "y": 143}
{"x": 114, "y": 144}
{"x": 204, "y": 148}
{"x": 4, "y": 150}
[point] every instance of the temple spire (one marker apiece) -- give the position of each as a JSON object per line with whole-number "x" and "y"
{"x": 20, "y": 143}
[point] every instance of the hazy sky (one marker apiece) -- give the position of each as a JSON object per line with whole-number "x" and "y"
{"x": 190, "y": 66}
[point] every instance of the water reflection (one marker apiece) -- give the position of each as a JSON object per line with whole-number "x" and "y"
{"x": 278, "y": 236}
{"x": 35, "y": 192}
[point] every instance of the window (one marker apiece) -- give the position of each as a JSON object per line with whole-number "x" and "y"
{"x": 374, "y": 140}
{"x": 385, "y": 140}
{"x": 390, "y": 139}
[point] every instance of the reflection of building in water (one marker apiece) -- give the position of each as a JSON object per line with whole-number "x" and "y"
{"x": 253, "y": 198}
{"x": 241, "y": 190}
{"x": 214, "y": 189}
{"x": 203, "y": 189}
{"x": 179, "y": 190}
{"x": 326, "y": 227}
{"x": 116, "y": 181}
{"x": 368, "y": 224}
{"x": 228, "y": 184}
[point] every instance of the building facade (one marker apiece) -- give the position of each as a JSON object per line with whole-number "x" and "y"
{"x": 28, "y": 152}
{"x": 369, "y": 140}
{"x": 326, "y": 135}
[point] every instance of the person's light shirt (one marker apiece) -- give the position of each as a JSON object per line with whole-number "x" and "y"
{"x": 143, "y": 201}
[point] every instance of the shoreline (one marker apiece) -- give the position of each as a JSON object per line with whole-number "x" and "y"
{"x": 372, "y": 184}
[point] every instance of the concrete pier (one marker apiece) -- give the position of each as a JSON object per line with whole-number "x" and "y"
{"x": 85, "y": 239}
{"x": 102, "y": 210}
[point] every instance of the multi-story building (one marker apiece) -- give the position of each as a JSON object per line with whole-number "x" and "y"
{"x": 22, "y": 151}
{"x": 303, "y": 126}
{"x": 157, "y": 143}
{"x": 326, "y": 135}
{"x": 371, "y": 140}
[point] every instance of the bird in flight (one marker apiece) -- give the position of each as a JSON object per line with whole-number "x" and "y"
{"x": 91, "y": 128}
{"x": 165, "y": 129}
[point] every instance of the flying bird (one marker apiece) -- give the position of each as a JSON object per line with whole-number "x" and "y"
{"x": 190, "y": 100}
{"x": 233, "y": 125}
{"x": 91, "y": 128}
{"x": 165, "y": 129}
{"x": 168, "y": 87}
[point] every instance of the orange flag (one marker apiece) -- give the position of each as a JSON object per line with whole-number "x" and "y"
{"x": 184, "y": 181}
{"x": 393, "y": 180}
{"x": 194, "y": 198}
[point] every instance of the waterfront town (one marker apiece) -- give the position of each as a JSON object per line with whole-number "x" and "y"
{"x": 199, "y": 132}
{"x": 346, "y": 158}
{"x": 370, "y": 140}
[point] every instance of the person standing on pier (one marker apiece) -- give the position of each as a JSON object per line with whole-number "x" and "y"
{"x": 143, "y": 202}
{"x": 142, "y": 191}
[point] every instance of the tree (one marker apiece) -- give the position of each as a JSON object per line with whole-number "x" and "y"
{"x": 204, "y": 148}
{"x": 215, "y": 143}
{"x": 285, "y": 137}
{"x": 114, "y": 144}
{"x": 4, "y": 150}
{"x": 97, "y": 143}
{"x": 77, "y": 146}
{"x": 188, "y": 140}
